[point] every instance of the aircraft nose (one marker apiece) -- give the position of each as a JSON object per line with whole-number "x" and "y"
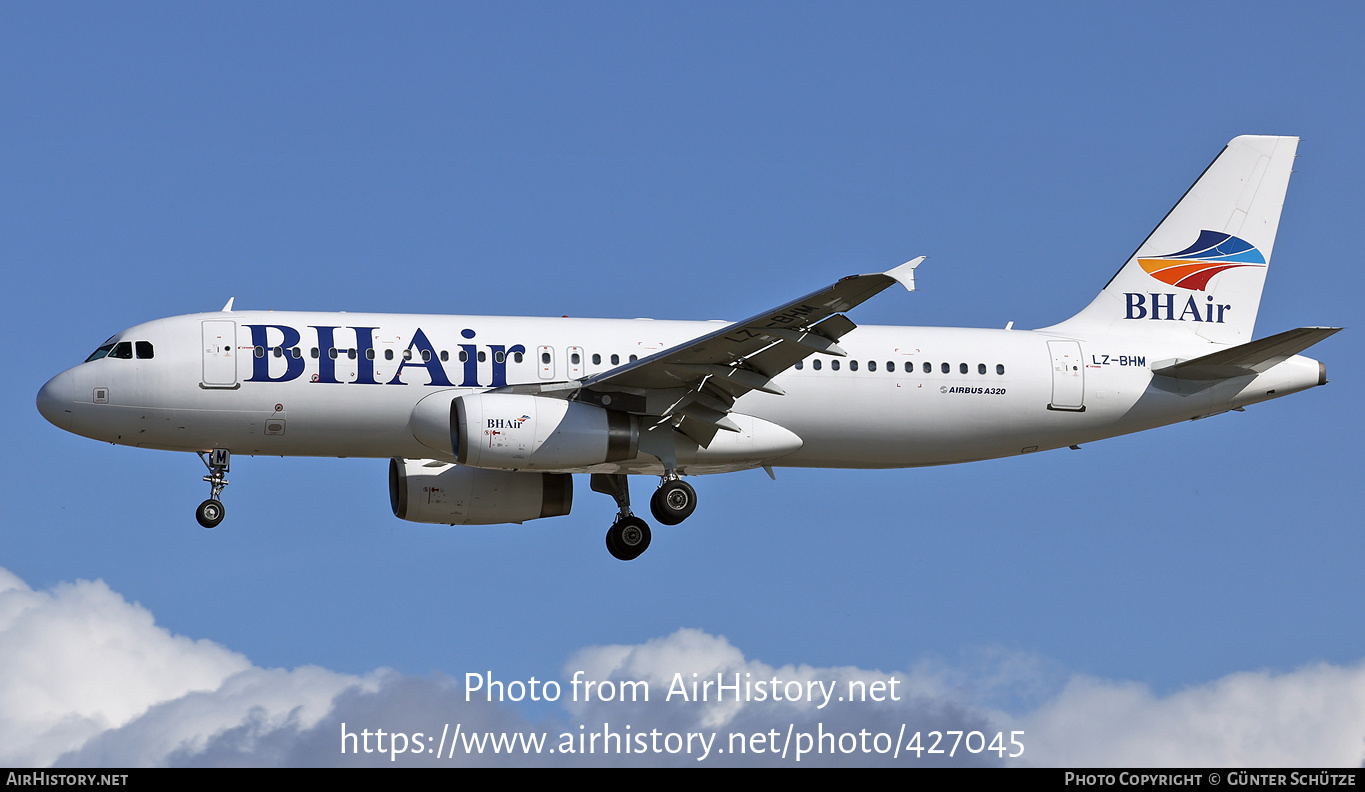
{"x": 56, "y": 400}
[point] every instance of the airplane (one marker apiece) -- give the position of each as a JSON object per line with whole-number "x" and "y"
{"x": 486, "y": 419}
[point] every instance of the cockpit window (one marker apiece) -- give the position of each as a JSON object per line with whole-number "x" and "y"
{"x": 123, "y": 350}
{"x": 99, "y": 353}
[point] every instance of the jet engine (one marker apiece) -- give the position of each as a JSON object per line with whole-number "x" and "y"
{"x": 509, "y": 431}
{"x": 424, "y": 490}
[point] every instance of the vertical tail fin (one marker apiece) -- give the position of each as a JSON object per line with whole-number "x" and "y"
{"x": 1201, "y": 272}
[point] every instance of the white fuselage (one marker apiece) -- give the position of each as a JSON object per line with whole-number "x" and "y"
{"x": 984, "y": 394}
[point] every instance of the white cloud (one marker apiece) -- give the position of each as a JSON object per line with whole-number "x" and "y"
{"x": 87, "y": 678}
{"x": 79, "y": 659}
{"x": 1314, "y": 716}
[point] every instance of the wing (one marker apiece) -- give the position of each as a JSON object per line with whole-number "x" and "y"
{"x": 693, "y": 385}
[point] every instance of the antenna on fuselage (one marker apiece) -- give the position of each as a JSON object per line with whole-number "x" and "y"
{"x": 228, "y": 307}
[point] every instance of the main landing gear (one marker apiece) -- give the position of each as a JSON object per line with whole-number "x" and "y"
{"x": 211, "y": 511}
{"x": 674, "y": 501}
{"x": 629, "y": 536}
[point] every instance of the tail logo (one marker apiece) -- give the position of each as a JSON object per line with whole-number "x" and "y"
{"x": 1212, "y": 253}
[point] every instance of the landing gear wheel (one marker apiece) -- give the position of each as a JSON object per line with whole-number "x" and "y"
{"x": 210, "y": 513}
{"x": 627, "y": 538}
{"x": 673, "y": 502}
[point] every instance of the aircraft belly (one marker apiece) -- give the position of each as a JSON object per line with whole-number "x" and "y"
{"x": 287, "y": 420}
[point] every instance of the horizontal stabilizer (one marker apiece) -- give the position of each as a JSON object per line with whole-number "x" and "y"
{"x": 1245, "y": 359}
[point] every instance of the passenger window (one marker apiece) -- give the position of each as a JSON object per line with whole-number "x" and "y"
{"x": 633, "y": 358}
{"x": 1000, "y": 368}
{"x": 499, "y": 357}
{"x": 369, "y": 354}
{"x": 313, "y": 353}
{"x": 144, "y": 350}
{"x": 946, "y": 369}
{"x": 871, "y": 365}
{"x": 332, "y": 353}
{"x": 516, "y": 357}
{"x": 445, "y": 356}
{"x": 834, "y": 365}
{"x": 928, "y": 367}
{"x": 260, "y": 351}
{"x": 962, "y": 368}
{"x": 388, "y": 354}
{"x": 575, "y": 359}
{"x": 350, "y": 353}
{"x": 296, "y": 353}
{"x": 545, "y": 358}
{"x": 980, "y": 368}
{"x": 891, "y": 366}
{"x": 464, "y": 356}
{"x": 815, "y": 364}
{"x": 407, "y": 354}
{"x": 483, "y": 356}
{"x": 616, "y": 360}
{"x": 426, "y": 355}
{"x": 852, "y": 365}
{"x": 279, "y": 352}
{"x": 596, "y": 359}
{"x": 800, "y": 364}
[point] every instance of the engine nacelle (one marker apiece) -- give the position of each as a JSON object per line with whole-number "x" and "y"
{"x": 512, "y": 431}
{"x": 427, "y": 491}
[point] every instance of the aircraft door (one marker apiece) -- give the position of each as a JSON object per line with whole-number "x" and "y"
{"x": 1068, "y": 376}
{"x": 545, "y": 356}
{"x": 220, "y": 353}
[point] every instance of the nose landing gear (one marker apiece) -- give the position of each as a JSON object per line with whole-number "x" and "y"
{"x": 211, "y": 511}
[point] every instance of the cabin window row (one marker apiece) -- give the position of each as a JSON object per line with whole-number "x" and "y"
{"x": 576, "y": 359}
{"x": 909, "y": 366}
{"x": 597, "y": 359}
{"x": 370, "y": 354}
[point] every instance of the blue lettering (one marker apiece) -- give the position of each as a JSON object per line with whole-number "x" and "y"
{"x": 1135, "y": 304}
{"x": 1157, "y": 306}
{"x": 428, "y": 361}
{"x": 364, "y": 342}
{"x": 1191, "y": 309}
{"x": 471, "y": 361}
{"x": 500, "y": 354}
{"x": 327, "y": 367}
{"x": 260, "y": 366}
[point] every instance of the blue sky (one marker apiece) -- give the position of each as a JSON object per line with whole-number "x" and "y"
{"x": 694, "y": 162}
